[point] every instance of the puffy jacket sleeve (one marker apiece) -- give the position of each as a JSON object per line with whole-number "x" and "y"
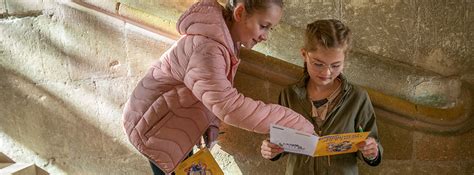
{"x": 206, "y": 77}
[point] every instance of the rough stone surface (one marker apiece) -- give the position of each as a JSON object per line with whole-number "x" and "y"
{"x": 468, "y": 166}
{"x": 438, "y": 167}
{"x": 3, "y": 8}
{"x": 299, "y": 13}
{"x": 391, "y": 32}
{"x": 65, "y": 83}
{"x": 406, "y": 82}
{"x": 95, "y": 48}
{"x": 403, "y": 137}
{"x": 389, "y": 167}
{"x": 143, "y": 51}
{"x": 430, "y": 89}
{"x": 421, "y": 34}
{"x": 273, "y": 46}
{"x": 443, "y": 147}
{"x": 24, "y": 7}
{"x": 444, "y": 33}
{"x": 65, "y": 76}
{"x": 386, "y": 28}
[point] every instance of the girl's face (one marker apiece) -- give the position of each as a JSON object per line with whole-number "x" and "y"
{"x": 324, "y": 64}
{"x": 248, "y": 30}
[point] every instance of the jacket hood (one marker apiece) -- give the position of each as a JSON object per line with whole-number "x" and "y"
{"x": 206, "y": 18}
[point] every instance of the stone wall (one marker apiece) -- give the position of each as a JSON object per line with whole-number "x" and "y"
{"x": 64, "y": 77}
{"x": 66, "y": 71}
{"x": 420, "y": 65}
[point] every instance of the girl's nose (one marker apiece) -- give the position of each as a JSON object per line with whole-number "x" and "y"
{"x": 264, "y": 36}
{"x": 326, "y": 71}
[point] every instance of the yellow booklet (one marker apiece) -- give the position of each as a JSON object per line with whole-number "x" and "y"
{"x": 301, "y": 143}
{"x": 339, "y": 143}
{"x": 201, "y": 163}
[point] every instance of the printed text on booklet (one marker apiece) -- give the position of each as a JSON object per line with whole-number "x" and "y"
{"x": 296, "y": 142}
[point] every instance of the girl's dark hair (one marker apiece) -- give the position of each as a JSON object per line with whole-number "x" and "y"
{"x": 329, "y": 33}
{"x": 251, "y": 6}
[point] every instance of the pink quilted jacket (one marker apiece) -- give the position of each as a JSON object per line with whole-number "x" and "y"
{"x": 190, "y": 88}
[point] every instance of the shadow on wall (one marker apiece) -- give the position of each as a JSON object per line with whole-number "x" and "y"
{"x": 244, "y": 146}
{"x": 48, "y": 125}
{"x": 51, "y": 128}
{"x": 91, "y": 46}
{"x": 75, "y": 45}
{"x": 61, "y": 98}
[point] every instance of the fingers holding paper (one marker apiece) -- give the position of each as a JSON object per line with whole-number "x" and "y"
{"x": 369, "y": 148}
{"x": 270, "y": 150}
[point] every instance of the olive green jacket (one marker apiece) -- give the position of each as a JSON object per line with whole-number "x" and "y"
{"x": 353, "y": 110}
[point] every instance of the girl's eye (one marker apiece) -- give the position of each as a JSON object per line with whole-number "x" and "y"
{"x": 318, "y": 64}
{"x": 335, "y": 66}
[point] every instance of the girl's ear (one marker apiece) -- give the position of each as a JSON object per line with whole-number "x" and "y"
{"x": 239, "y": 11}
{"x": 303, "y": 54}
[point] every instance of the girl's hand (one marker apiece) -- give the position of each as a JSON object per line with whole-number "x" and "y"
{"x": 270, "y": 150}
{"x": 369, "y": 148}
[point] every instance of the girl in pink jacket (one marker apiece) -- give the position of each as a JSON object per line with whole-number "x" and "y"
{"x": 189, "y": 90}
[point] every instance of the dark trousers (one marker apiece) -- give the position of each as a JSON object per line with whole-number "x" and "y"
{"x": 157, "y": 171}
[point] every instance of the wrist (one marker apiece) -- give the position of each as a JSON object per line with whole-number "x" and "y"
{"x": 373, "y": 161}
{"x": 371, "y": 158}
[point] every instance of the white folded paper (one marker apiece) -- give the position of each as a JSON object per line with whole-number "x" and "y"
{"x": 293, "y": 141}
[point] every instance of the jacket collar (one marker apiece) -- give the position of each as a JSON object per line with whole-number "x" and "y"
{"x": 300, "y": 86}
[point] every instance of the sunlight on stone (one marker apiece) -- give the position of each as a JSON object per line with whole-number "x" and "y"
{"x": 22, "y": 154}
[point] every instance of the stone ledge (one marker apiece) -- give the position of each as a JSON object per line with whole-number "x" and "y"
{"x": 404, "y": 81}
{"x": 8, "y": 166}
{"x": 420, "y": 117}
{"x": 140, "y": 18}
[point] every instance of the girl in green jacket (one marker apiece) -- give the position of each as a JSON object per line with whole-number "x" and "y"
{"x": 330, "y": 102}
